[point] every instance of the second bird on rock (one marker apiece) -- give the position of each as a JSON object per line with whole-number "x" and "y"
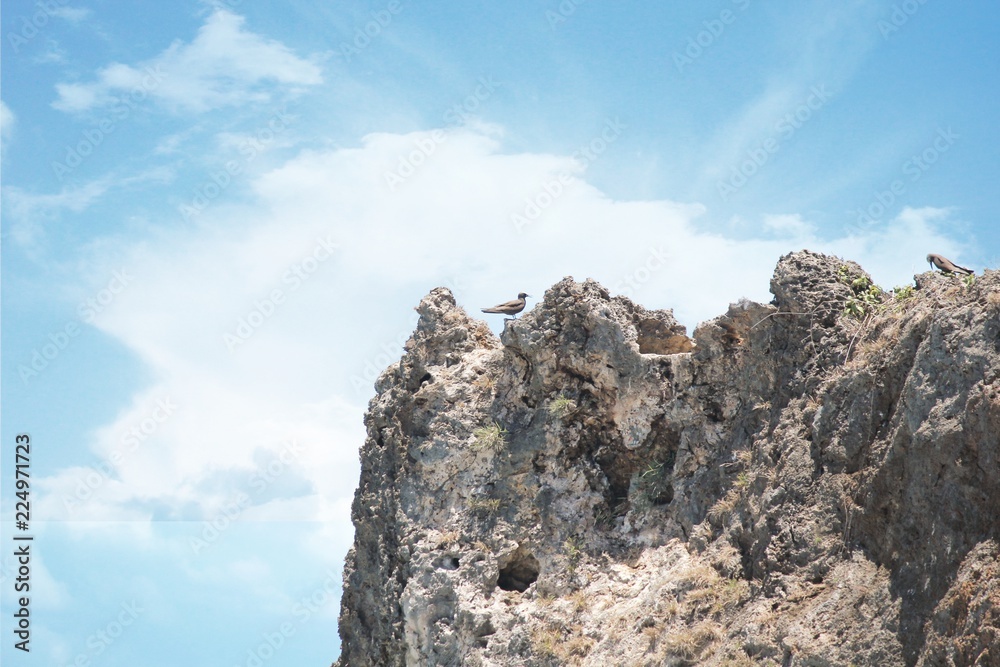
{"x": 947, "y": 265}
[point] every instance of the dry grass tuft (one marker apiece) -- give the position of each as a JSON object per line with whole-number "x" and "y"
{"x": 483, "y": 506}
{"x": 565, "y": 644}
{"x": 451, "y": 537}
{"x": 728, "y": 561}
{"x": 486, "y": 382}
{"x": 698, "y": 575}
{"x": 580, "y": 601}
{"x": 719, "y": 512}
{"x": 690, "y": 643}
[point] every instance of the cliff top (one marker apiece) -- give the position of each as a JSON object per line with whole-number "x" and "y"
{"x": 811, "y": 481}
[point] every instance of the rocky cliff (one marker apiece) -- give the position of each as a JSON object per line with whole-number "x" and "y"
{"x": 814, "y": 481}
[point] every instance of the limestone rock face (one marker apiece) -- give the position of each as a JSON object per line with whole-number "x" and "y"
{"x": 814, "y": 481}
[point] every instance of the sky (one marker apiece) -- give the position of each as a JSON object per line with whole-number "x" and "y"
{"x": 217, "y": 218}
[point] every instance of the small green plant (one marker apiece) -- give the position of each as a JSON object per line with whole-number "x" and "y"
{"x": 969, "y": 280}
{"x": 652, "y": 470}
{"x": 561, "y": 406}
{"x": 866, "y": 296}
{"x": 492, "y": 437}
{"x": 653, "y": 486}
{"x": 743, "y": 481}
{"x": 902, "y": 293}
{"x": 574, "y": 552}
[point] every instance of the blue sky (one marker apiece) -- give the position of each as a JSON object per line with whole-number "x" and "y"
{"x": 218, "y": 216}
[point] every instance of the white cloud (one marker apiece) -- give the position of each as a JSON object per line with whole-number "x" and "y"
{"x": 53, "y": 53}
{"x": 7, "y": 122}
{"x": 71, "y": 14}
{"x": 224, "y": 65}
{"x": 789, "y": 226}
{"x": 283, "y": 399}
{"x": 893, "y": 252}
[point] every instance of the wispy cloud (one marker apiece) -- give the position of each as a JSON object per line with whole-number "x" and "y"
{"x": 7, "y": 122}
{"x": 53, "y": 53}
{"x": 224, "y": 65}
{"x": 826, "y": 43}
{"x": 30, "y": 212}
{"x": 72, "y": 14}
{"x": 75, "y": 198}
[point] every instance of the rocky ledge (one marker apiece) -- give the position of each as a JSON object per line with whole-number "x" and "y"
{"x": 814, "y": 481}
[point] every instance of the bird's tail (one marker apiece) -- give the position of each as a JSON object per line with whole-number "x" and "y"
{"x": 491, "y": 310}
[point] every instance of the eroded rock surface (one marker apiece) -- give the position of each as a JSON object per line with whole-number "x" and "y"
{"x": 796, "y": 485}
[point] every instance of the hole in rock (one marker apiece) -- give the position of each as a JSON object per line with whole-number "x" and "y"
{"x": 519, "y": 573}
{"x": 447, "y": 563}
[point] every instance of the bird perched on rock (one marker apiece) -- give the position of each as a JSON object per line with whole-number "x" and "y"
{"x": 510, "y": 307}
{"x": 946, "y": 264}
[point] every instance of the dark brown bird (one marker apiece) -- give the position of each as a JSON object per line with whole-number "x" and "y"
{"x": 946, "y": 264}
{"x": 510, "y": 307}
